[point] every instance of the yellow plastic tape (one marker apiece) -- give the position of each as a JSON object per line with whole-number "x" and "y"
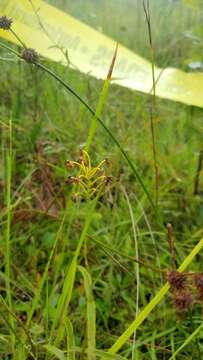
{"x": 91, "y": 52}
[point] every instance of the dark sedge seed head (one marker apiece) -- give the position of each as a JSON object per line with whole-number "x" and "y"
{"x": 199, "y": 286}
{"x": 199, "y": 281}
{"x": 177, "y": 280}
{"x": 5, "y": 23}
{"x": 182, "y": 300}
{"x": 30, "y": 56}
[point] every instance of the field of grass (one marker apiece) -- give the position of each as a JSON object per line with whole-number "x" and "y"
{"x": 70, "y": 282}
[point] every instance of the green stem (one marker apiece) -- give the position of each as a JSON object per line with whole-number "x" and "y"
{"x": 8, "y": 230}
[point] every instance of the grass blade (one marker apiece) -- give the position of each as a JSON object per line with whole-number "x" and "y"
{"x": 100, "y": 353}
{"x": 101, "y": 102}
{"x": 187, "y": 341}
{"x": 8, "y": 178}
{"x": 70, "y": 339}
{"x": 91, "y": 314}
{"x": 59, "y": 354}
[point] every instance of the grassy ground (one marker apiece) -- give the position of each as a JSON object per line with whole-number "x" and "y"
{"x": 42, "y": 126}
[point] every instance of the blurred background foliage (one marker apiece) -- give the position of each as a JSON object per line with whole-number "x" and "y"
{"x": 176, "y": 24}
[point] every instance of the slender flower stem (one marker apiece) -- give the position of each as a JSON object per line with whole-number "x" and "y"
{"x": 17, "y": 37}
{"x": 153, "y": 102}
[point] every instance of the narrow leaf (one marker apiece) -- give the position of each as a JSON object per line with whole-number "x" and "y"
{"x": 55, "y": 351}
{"x": 91, "y": 314}
{"x": 70, "y": 340}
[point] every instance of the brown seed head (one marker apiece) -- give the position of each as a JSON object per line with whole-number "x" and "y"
{"x": 199, "y": 286}
{"x": 30, "y": 56}
{"x": 182, "y": 300}
{"x": 5, "y": 23}
{"x": 177, "y": 280}
{"x": 70, "y": 164}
